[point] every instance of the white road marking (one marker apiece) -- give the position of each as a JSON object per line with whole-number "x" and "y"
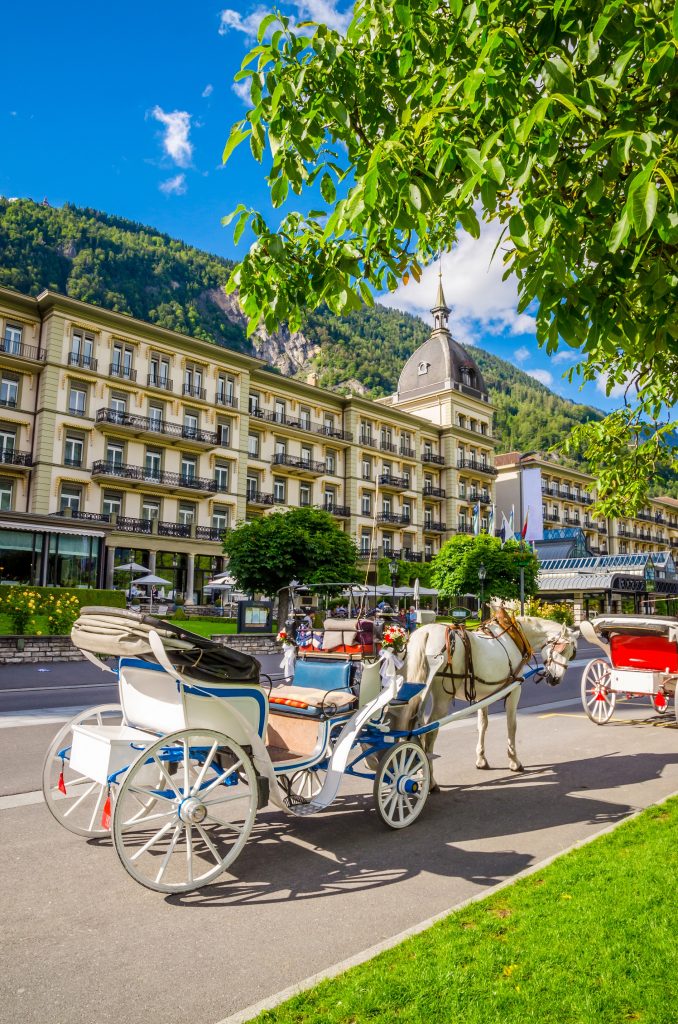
{"x": 20, "y": 800}
{"x": 39, "y": 716}
{"x": 50, "y": 689}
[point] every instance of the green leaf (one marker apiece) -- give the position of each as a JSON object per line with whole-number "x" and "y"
{"x": 263, "y": 25}
{"x": 327, "y": 189}
{"x": 415, "y": 196}
{"x": 619, "y": 233}
{"x": 235, "y": 138}
{"x": 644, "y": 206}
{"x": 595, "y": 189}
{"x": 496, "y": 169}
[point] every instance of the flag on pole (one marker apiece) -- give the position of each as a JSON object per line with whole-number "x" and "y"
{"x": 511, "y": 522}
{"x": 523, "y": 532}
{"x": 476, "y": 518}
{"x": 490, "y": 521}
{"x": 506, "y": 532}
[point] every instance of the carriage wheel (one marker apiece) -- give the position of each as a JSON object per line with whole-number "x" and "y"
{"x": 660, "y": 702}
{"x": 79, "y": 805}
{"x": 205, "y": 810}
{"x": 305, "y": 784}
{"x": 402, "y": 784}
{"x": 596, "y": 697}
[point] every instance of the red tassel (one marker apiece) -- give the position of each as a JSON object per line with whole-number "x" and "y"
{"x": 106, "y": 814}
{"x": 62, "y": 784}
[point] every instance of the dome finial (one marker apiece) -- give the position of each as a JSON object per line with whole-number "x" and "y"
{"x": 440, "y": 310}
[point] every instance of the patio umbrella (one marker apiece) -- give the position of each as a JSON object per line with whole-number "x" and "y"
{"x": 153, "y": 581}
{"x": 130, "y": 567}
{"x": 415, "y": 593}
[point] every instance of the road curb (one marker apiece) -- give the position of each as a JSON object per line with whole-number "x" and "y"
{"x": 242, "y": 1016}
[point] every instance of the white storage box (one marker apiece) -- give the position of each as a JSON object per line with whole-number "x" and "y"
{"x": 99, "y": 750}
{"x": 634, "y": 681}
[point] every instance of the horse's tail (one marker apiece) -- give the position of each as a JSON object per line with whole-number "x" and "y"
{"x": 416, "y": 668}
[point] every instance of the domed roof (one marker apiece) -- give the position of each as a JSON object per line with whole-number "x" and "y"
{"x": 440, "y": 363}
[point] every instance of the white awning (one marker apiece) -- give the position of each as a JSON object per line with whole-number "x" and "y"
{"x": 6, "y": 524}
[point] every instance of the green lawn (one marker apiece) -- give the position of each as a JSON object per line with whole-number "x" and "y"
{"x": 591, "y": 939}
{"x": 203, "y": 628}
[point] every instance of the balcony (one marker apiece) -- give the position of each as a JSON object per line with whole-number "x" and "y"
{"x": 83, "y": 362}
{"x": 431, "y": 457}
{"x": 430, "y": 491}
{"x": 338, "y": 435}
{"x": 123, "y": 372}
{"x": 408, "y": 555}
{"x": 432, "y": 526}
{"x": 189, "y": 437}
{"x": 388, "y": 446}
{"x": 394, "y": 483}
{"x": 394, "y": 517}
{"x": 228, "y": 401}
{"x": 163, "y": 383}
{"x": 193, "y": 391}
{"x": 16, "y": 353}
{"x": 483, "y": 497}
{"x": 476, "y": 466}
{"x": 368, "y": 440}
{"x": 551, "y": 517}
{"x": 16, "y": 459}
{"x": 407, "y": 453}
{"x": 341, "y": 511}
{"x": 368, "y": 554}
{"x": 213, "y": 533}
{"x": 299, "y": 466}
{"x": 260, "y": 499}
{"x": 158, "y": 478}
{"x": 463, "y": 526}
{"x": 571, "y": 520}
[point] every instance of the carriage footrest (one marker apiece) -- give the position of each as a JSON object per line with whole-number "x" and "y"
{"x": 406, "y": 693}
{"x": 98, "y": 751}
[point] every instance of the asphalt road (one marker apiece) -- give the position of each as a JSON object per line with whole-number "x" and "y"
{"x": 86, "y": 944}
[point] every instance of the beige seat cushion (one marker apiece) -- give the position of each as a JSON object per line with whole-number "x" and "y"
{"x": 311, "y": 697}
{"x": 338, "y": 632}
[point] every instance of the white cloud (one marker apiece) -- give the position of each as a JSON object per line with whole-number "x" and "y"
{"x": 521, "y": 354}
{"x": 617, "y": 390}
{"x": 325, "y": 11}
{"x": 175, "y": 186}
{"x": 207, "y": 91}
{"x": 242, "y": 91}
{"x": 565, "y": 356}
{"x": 543, "y": 376}
{"x": 473, "y": 285}
{"x": 175, "y": 142}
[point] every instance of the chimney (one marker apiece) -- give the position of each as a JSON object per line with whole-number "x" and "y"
{"x": 312, "y": 379}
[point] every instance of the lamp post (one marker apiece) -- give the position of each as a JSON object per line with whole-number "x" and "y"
{"x": 393, "y": 569}
{"x": 482, "y": 575}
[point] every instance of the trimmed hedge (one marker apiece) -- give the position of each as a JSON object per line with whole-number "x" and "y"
{"x": 111, "y": 598}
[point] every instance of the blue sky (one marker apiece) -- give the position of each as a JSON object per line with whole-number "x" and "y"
{"x": 127, "y": 109}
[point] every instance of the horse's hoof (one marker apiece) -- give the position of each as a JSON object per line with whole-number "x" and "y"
{"x": 516, "y": 768}
{"x": 482, "y": 765}
{"x": 435, "y": 788}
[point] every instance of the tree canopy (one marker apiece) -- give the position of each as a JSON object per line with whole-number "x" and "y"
{"x": 302, "y": 544}
{"x": 455, "y": 567}
{"x": 555, "y": 117}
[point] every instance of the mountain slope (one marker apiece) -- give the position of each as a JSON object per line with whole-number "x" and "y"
{"x": 134, "y": 269}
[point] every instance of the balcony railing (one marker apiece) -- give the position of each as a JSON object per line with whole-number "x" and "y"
{"x": 156, "y": 426}
{"x": 399, "y": 482}
{"x": 259, "y": 498}
{"x": 407, "y": 453}
{"x": 12, "y": 457}
{"x": 146, "y": 475}
{"x": 408, "y": 555}
{"x": 435, "y": 526}
{"x": 388, "y": 446}
{"x": 154, "y": 381}
{"x": 365, "y": 554}
{"x": 551, "y": 517}
{"x": 125, "y": 372}
{"x": 209, "y": 532}
{"x": 479, "y": 496}
{"x": 434, "y": 492}
{"x": 10, "y": 403}
{"x": 84, "y": 362}
{"x": 230, "y": 401}
{"x": 9, "y": 347}
{"x": 432, "y": 457}
{"x": 341, "y": 435}
{"x": 476, "y": 466}
{"x": 394, "y": 517}
{"x": 369, "y": 440}
{"x": 343, "y": 511}
{"x": 294, "y": 462}
{"x": 193, "y": 391}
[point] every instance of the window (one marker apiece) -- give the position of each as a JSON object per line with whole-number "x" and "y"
{"x": 70, "y": 497}
{"x": 365, "y": 433}
{"x": 428, "y": 448}
{"x": 186, "y": 514}
{"x": 9, "y": 391}
{"x": 328, "y": 423}
{"x": 193, "y": 382}
{"x": 122, "y": 361}
{"x": 224, "y": 433}
{"x": 153, "y": 465}
{"x": 365, "y": 540}
{"x": 462, "y": 489}
{"x": 280, "y": 447}
{"x": 119, "y": 404}
{"x": 188, "y": 467}
{"x": 252, "y": 486}
{"x": 305, "y": 417}
{"x": 367, "y": 469}
{"x": 73, "y": 450}
{"x": 386, "y": 506}
{"x": 77, "y": 400}
{"x": 221, "y": 471}
{"x": 330, "y": 497}
{"x": 386, "y": 436}
{"x": 160, "y": 369}
{"x": 279, "y": 410}
{"x": 225, "y": 389}
{"x": 12, "y": 340}
{"x": 428, "y": 517}
{"x": 407, "y": 510}
{"x": 156, "y": 414}
{"x": 278, "y": 489}
{"x": 306, "y": 453}
{"x": 304, "y": 495}
{"x": 428, "y": 549}
{"x": 115, "y": 455}
{"x": 253, "y": 445}
{"x": 366, "y": 504}
{"x": 82, "y": 348}
{"x": 7, "y": 439}
{"x": 423, "y": 368}
{"x": 388, "y": 543}
{"x": 190, "y": 425}
{"x": 6, "y": 488}
{"x": 220, "y": 518}
{"x": 331, "y": 462}
{"x": 387, "y": 468}
{"x": 150, "y": 509}
{"x": 254, "y": 402}
{"x": 111, "y": 503}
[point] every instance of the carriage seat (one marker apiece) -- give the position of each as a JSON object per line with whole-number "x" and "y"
{"x": 318, "y": 688}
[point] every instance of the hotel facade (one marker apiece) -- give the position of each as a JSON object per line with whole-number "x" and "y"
{"x": 123, "y": 441}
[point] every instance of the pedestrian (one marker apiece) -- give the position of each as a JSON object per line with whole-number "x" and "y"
{"x": 411, "y": 619}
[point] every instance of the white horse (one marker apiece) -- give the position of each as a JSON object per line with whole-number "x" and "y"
{"x": 500, "y": 650}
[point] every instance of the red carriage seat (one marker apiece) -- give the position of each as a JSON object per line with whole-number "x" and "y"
{"x": 651, "y": 653}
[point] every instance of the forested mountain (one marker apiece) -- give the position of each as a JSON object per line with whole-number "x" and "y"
{"x": 134, "y": 269}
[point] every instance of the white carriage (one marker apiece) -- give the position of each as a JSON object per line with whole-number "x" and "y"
{"x": 641, "y": 660}
{"x": 200, "y": 741}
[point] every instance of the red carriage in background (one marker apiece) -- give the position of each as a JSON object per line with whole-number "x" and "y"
{"x": 641, "y": 661}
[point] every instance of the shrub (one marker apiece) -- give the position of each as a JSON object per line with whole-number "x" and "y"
{"x": 63, "y": 604}
{"x": 180, "y": 615}
{"x": 558, "y": 612}
{"x": 61, "y": 612}
{"x": 20, "y": 605}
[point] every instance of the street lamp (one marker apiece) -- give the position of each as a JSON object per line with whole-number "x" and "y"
{"x": 393, "y": 569}
{"x": 482, "y": 575}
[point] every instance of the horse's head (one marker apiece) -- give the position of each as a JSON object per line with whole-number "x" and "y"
{"x": 556, "y": 642}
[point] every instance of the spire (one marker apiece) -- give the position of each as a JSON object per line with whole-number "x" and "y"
{"x": 441, "y": 310}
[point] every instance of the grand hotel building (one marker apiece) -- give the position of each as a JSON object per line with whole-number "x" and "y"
{"x": 120, "y": 441}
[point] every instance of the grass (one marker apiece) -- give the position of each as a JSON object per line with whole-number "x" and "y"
{"x": 205, "y": 627}
{"x": 591, "y": 939}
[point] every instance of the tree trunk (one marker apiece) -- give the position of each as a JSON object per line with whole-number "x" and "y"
{"x": 283, "y": 607}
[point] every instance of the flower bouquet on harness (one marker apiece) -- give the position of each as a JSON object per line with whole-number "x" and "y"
{"x": 393, "y": 646}
{"x": 289, "y": 658}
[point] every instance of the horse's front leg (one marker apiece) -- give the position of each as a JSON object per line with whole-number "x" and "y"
{"x": 511, "y": 722}
{"x": 483, "y": 719}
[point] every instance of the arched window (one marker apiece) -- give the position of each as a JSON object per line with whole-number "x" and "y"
{"x": 423, "y": 367}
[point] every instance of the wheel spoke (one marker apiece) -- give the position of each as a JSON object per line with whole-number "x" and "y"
{"x": 208, "y": 843}
{"x": 186, "y": 766}
{"x": 167, "y": 777}
{"x": 152, "y": 841}
{"x": 220, "y": 780}
{"x": 224, "y": 824}
{"x": 227, "y": 798}
{"x": 170, "y": 850}
{"x": 80, "y": 799}
{"x": 203, "y": 771}
{"x": 189, "y": 853}
{"x": 95, "y": 812}
{"x": 150, "y": 793}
